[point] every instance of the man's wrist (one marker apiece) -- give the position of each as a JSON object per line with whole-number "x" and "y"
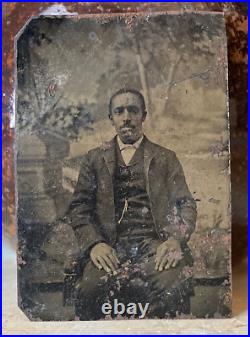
{"x": 173, "y": 240}
{"x": 96, "y": 243}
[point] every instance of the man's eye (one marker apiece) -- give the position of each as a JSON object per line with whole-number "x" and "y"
{"x": 118, "y": 110}
{"x": 133, "y": 109}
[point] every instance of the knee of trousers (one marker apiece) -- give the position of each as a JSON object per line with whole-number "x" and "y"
{"x": 176, "y": 290}
{"x": 92, "y": 281}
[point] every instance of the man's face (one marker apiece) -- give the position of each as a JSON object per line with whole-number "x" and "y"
{"x": 127, "y": 117}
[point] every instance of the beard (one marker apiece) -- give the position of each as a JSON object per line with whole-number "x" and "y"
{"x": 129, "y": 134}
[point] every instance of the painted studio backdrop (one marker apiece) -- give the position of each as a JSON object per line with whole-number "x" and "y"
{"x": 67, "y": 70}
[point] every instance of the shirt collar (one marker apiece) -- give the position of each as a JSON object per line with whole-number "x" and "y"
{"x": 135, "y": 145}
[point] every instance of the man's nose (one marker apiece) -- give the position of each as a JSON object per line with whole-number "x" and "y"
{"x": 126, "y": 115}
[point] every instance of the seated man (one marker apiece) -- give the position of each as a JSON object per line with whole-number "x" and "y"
{"x": 132, "y": 214}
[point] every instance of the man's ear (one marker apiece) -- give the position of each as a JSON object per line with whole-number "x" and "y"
{"x": 111, "y": 119}
{"x": 144, "y": 115}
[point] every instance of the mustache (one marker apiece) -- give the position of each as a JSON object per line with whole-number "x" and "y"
{"x": 127, "y": 125}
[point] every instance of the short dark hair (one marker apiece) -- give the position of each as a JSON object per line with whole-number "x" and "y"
{"x": 128, "y": 90}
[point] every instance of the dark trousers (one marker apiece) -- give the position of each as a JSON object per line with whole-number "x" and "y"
{"x": 167, "y": 292}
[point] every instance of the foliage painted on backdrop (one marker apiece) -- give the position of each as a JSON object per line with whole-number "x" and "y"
{"x": 42, "y": 102}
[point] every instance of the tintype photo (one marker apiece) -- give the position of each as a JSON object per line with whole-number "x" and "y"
{"x": 123, "y": 185}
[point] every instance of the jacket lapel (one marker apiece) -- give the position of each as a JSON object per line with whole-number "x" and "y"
{"x": 149, "y": 154}
{"x": 109, "y": 155}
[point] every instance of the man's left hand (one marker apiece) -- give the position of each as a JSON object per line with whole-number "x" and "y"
{"x": 168, "y": 254}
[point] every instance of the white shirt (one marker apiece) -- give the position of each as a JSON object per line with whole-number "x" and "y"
{"x": 128, "y": 150}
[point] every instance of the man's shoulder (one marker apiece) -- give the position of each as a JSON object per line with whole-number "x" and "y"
{"x": 101, "y": 149}
{"x": 159, "y": 149}
{"x": 151, "y": 146}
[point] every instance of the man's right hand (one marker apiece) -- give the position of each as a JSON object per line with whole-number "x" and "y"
{"x": 104, "y": 257}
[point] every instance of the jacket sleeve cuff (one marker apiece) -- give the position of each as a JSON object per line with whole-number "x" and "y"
{"x": 94, "y": 244}
{"x": 87, "y": 238}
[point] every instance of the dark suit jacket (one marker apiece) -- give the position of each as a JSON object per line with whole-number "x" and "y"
{"x": 92, "y": 211}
